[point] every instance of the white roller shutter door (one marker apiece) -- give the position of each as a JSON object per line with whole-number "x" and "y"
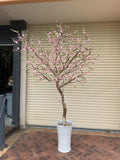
{"x": 94, "y": 104}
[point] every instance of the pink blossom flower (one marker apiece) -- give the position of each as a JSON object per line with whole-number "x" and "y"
{"x": 20, "y": 37}
{"x": 54, "y": 39}
{"x": 78, "y": 40}
{"x": 31, "y": 69}
{"x": 54, "y": 44}
{"x": 44, "y": 71}
{"x": 34, "y": 49}
{"x": 49, "y": 40}
{"x": 23, "y": 34}
{"x": 23, "y": 49}
{"x": 60, "y": 29}
{"x": 84, "y": 31}
{"x": 27, "y": 62}
{"x": 83, "y": 42}
{"x": 42, "y": 53}
{"x": 83, "y": 50}
{"x": 40, "y": 62}
{"x": 15, "y": 31}
{"x": 50, "y": 33}
{"x": 39, "y": 42}
{"x": 88, "y": 35}
{"x": 88, "y": 58}
{"x": 53, "y": 48}
{"x": 16, "y": 42}
{"x": 59, "y": 34}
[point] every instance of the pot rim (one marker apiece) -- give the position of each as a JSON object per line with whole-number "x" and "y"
{"x": 67, "y": 122}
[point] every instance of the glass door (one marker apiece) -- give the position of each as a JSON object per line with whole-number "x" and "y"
{"x": 6, "y": 83}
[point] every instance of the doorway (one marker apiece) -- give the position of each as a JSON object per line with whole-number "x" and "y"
{"x": 6, "y": 83}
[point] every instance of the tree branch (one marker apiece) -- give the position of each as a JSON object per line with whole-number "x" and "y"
{"x": 69, "y": 81}
{"x": 40, "y": 73}
{"x": 43, "y": 62}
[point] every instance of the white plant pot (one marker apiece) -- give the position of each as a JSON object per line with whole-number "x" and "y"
{"x": 64, "y": 136}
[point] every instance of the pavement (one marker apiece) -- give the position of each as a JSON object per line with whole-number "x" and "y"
{"x": 41, "y": 144}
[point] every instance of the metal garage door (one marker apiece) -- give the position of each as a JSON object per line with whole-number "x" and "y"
{"x": 94, "y": 104}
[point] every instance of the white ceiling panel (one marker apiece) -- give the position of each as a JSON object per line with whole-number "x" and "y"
{"x": 66, "y": 11}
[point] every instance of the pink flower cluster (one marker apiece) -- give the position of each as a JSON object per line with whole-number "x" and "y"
{"x": 66, "y": 60}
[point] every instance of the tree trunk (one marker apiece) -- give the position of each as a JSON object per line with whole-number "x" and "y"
{"x": 64, "y": 113}
{"x": 63, "y": 103}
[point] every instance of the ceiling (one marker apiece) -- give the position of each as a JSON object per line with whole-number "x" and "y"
{"x": 64, "y": 11}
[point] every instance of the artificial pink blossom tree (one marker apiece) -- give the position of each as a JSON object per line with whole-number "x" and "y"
{"x": 66, "y": 60}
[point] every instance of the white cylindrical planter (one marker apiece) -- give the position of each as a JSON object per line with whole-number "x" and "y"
{"x": 64, "y": 136}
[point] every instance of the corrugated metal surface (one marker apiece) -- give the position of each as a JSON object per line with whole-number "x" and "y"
{"x": 94, "y": 104}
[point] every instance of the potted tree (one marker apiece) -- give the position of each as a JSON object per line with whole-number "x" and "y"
{"x": 67, "y": 60}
